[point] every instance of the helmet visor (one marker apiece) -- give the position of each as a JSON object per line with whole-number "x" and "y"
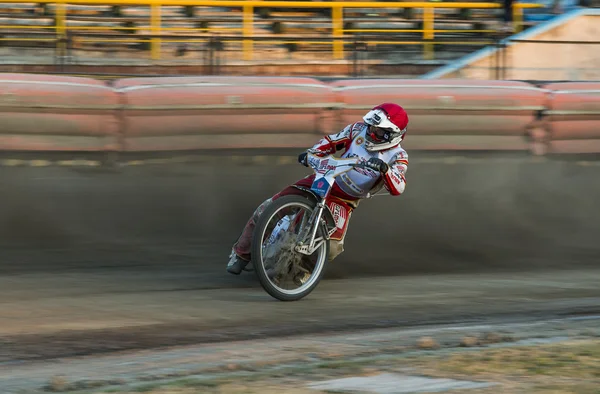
{"x": 380, "y": 134}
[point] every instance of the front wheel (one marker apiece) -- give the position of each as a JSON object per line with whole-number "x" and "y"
{"x": 284, "y": 273}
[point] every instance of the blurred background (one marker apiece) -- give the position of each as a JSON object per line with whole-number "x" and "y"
{"x": 137, "y": 137}
{"x": 314, "y": 38}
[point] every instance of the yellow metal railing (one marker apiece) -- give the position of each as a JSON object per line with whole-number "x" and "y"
{"x": 248, "y": 6}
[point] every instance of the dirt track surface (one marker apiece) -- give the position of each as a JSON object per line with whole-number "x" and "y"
{"x": 83, "y": 312}
{"x": 301, "y": 359}
{"x": 458, "y": 214}
{"x": 95, "y": 261}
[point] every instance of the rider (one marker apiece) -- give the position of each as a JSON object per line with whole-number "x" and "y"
{"x": 376, "y": 142}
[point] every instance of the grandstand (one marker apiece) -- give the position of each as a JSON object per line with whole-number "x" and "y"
{"x": 105, "y": 34}
{"x": 563, "y": 48}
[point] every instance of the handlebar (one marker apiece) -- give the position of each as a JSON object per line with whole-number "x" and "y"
{"x": 339, "y": 165}
{"x": 354, "y": 165}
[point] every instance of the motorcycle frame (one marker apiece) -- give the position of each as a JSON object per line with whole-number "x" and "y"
{"x": 326, "y": 173}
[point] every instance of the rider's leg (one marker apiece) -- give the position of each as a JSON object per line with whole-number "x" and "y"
{"x": 240, "y": 253}
{"x": 336, "y": 246}
{"x": 336, "y": 243}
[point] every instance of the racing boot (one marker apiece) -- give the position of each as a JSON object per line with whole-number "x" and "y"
{"x": 236, "y": 264}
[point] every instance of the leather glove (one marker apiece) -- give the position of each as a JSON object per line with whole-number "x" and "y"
{"x": 302, "y": 159}
{"x": 377, "y": 165}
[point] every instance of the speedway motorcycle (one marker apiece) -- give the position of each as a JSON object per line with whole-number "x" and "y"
{"x": 290, "y": 245}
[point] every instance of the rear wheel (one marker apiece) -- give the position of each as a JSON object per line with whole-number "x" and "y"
{"x": 284, "y": 273}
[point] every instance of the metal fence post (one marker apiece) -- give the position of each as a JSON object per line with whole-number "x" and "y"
{"x": 61, "y": 16}
{"x": 337, "y": 16}
{"x": 428, "y": 28}
{"x": 517, "y": 12}
{"x": 155, "y": 27}
{"x": 248, "y": 22}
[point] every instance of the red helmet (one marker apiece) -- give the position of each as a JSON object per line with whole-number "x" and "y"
{"x": 387, "y": 126}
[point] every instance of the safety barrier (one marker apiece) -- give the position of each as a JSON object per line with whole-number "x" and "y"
{"x": 451, "y": 114}
{"x": 52, "y": 113}
{"x": 573, "y": 117}
{"x": 212, "y": 112}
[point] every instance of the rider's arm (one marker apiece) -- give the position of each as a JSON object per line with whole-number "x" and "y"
{"x": 394, "y": 178}
{"x": 332, "y": 143}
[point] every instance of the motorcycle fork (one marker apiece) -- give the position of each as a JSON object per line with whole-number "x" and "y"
{"x": 315, "y": 220}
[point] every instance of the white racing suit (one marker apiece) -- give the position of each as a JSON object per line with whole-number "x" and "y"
{"x": 348, "y": 189}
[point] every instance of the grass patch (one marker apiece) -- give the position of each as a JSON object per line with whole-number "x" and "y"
{"x": 237, "y": 388}
{"x": 578, "y": 359}
{"x": 566, "y": 367}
